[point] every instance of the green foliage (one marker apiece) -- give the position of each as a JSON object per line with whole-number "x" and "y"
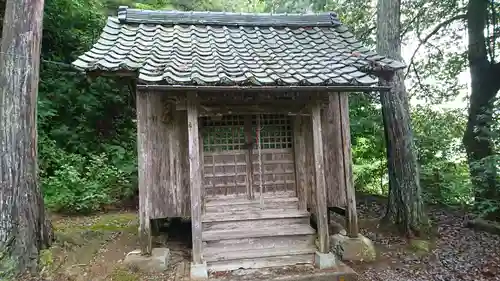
{"x": 444, "y": 173}
{"x": 87, "y": 134}
{"x": 86, "y": 128}
{"x": 80, "y": 183}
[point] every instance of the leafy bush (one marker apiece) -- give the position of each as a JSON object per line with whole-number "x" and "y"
{"x": 77, "y": 183}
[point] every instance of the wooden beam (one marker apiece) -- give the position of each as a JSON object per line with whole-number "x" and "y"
{"x": 300, "y": 161}
{"x": 195, "y": 176}
{"x": 288, "y": 107}
{"x": 351, "y": 212}
{"x": 267, "y": 88}
{"x": 145, "y": 165}
{"x": 319, "y": 164}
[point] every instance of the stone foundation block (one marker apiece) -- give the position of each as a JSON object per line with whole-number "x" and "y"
{"x": 157, "y": 262}
{"x": 199, "y": 271}
{"x": 353, "y": 249}
{"x": 324, "y": 260}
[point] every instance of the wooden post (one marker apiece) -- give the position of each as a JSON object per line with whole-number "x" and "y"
{"x": 145, "y": 164}
{"x": 249, "y": 155}
{"x": 300, "y": 162}
{"x": 321, "y": 210}
{"x": 351, "y": 212}
{"x": 202, "y": 168}
{"x": 195, "y": 176}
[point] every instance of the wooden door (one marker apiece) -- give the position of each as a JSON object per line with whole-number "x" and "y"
{"x": 233, "y": 163}
{"x": 273, "y": 165}
{"x": 224, "y": 157}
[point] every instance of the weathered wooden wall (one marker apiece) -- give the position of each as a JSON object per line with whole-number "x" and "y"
{"x": 163, "y": 157}
{"x": 334, "y": 157}
{"x": 304, "y": 161}
{"x": 332, "y": 117}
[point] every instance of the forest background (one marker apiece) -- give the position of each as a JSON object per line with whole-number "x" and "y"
{"x": 87, "y": 130}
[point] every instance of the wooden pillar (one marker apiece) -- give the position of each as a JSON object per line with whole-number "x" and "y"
{"x": 300, "y": 161}
{"x": 351, "y": 212}
{"x": 319, "y": 164}
{"x": 195, "y": 176}
{"x": 249, "y": 155}
{"x": 145, "y": 164}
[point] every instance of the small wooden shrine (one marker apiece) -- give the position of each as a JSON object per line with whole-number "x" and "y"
{"x": 243, "y": 125}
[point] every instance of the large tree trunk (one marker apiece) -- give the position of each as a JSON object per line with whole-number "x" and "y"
{"x": 23, "y": 228}
{"x": 485, "y": 84}
{"x": 405, "y": 206}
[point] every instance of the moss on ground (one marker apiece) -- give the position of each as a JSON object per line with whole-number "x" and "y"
{"x": 420, "y": 246}
{"x": 101, "y": 223}
{"x": 78, "y": 240}
{"x": 123, "y": 274}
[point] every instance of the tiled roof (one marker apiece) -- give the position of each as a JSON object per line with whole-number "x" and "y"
{"x": 205, "y": 48}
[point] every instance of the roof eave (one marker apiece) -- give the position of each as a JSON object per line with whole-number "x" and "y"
{"x": 331, "y": 88}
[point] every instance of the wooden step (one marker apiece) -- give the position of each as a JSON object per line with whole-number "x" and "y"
{"x": 240, "y": 205}
{"x": 254, "y": 215}
{"x": 245, "y": 244}
{"x": 254, "y": 219}
{"x": 285, "y": 230}
{"x": 235, "y": 253}
{"x": 260, "y": 262}
{"x": 239, "y": 201}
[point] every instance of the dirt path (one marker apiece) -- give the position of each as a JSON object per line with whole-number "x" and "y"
{"x": 93, "y": 248}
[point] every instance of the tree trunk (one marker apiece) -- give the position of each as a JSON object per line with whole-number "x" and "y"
{"x": 485, "y": 84}
{"x": 405, "y": 206}
{"x": 23, "y": 227}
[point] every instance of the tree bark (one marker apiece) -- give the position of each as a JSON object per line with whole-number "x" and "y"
{"x": 23, "y": 227}
{"x": 485, "y": 84}
{"x": 405, "y": 206}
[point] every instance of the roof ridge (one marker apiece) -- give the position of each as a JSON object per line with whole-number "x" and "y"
{"x": 130, "y": 15}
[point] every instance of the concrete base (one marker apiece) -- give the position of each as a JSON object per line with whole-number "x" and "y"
{"x": 353, "y": 249}
{"x": 199, "y": 271}
{"x": 324, "y": 260}
{"x": 157, "y": 262}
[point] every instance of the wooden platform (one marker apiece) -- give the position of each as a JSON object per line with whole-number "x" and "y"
{"x": 241, "y": 234}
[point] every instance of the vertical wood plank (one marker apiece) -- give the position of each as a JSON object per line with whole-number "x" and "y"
{"x": 143, "y": 109}
{"x": 351, "y": 212}
{"x": 184, "y": 163}
{"x": 310, "y": 175}
{"x": 334, "y": 163}
{"x": 202, "y": 165}
{"x": 248, "y": 155}
{"x": 300, "y": 162}
{"x": 195, "y": 173}
{"x": 321, "y": 210}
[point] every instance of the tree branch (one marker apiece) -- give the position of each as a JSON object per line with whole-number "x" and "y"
{"x": 410, "y": 22}
{"x": 432, "y": 33}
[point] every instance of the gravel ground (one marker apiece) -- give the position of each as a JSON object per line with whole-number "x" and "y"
{"x": 459, "y": 253}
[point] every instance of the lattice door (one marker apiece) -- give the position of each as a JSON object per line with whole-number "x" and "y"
{"x": 275, "y": 165}
{"x": 224, "y": 157}
{"x": 233, "y": 163}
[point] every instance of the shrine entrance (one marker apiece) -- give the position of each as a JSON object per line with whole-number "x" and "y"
{"x": 248, "y": 156}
